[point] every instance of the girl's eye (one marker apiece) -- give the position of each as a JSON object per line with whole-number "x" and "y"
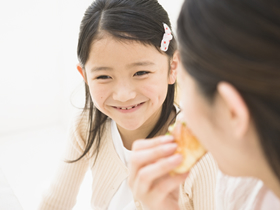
{"x": 103, "y": 77}
{"x": 141, "y": 73}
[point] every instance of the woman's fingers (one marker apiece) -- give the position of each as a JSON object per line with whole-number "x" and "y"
{"x": 166, "y": 185}
{"x": 149, "y": 151}
{"x": 142, "y": 158}
{"x": 147, "y": 156}
{"x": 146, "y": 176}
{"x": 151, "y": 162}
{"x": 162, "y": 188}
{"x": 149, "y": 143}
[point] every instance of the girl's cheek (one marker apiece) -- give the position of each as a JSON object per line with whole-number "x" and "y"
{"x": 97, "y": 94}
{"x": 148, "y": 89}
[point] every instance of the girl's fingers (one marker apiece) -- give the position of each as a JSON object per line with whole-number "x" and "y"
{"x": 149, "y": 143}
{"x": 146, "y": 176}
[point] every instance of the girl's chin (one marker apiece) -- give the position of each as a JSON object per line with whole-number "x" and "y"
{"x": 130, "y": 126}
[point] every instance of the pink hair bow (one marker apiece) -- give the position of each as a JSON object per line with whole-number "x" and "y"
{"x": 167, "y": 37}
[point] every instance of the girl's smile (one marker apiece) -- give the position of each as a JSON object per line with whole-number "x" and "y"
{"x": 128, "y": 109}
{"x": 128, "y": 81}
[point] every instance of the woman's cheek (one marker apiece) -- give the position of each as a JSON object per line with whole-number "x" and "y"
{"x": 186, "y": 105}
{"x": 191, "y": 113}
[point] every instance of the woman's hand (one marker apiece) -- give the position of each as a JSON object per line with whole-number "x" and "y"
{"x": 150, "y": 181}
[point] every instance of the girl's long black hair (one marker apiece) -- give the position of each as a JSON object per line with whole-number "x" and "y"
{"x": 134, "y": 20}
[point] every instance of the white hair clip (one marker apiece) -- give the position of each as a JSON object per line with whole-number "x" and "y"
{"x": 167, "y": 36}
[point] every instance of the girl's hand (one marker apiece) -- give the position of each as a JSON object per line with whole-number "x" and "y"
{"x": 150, "y": 181}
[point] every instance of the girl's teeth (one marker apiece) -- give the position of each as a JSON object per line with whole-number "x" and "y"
{"x": 129, "y": 107}
{"x": 126, "y": 108}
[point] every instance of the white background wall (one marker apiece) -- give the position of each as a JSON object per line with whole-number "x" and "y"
{"x": 38, "y": 57}
{"x": 38, "y": 81}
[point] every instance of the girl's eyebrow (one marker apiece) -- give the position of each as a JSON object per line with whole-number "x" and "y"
{"x": 143, "y": 63}
{"x": 99, "y": 68}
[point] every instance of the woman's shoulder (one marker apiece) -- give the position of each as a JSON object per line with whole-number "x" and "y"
{"x": 203, "y": 174}
{"x": 243, "y": 193}
{"x": 266, "y": 199}
{"x": 198, "y": 190}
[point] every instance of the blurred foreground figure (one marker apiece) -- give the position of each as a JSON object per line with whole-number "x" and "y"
{"x": 230, "y": 91}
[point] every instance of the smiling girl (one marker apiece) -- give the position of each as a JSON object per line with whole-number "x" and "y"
{"x": 127, "y": 57}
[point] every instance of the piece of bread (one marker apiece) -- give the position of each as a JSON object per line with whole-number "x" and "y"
{"x": 188, "y": 146}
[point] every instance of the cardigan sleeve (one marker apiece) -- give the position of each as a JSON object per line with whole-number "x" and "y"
{"x": 64, "y": 188}
{"x": 198, "y": 191}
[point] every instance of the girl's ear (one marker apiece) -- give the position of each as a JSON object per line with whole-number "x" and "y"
{"x": 81, "y": 71}
{"x": 174, "y": 68}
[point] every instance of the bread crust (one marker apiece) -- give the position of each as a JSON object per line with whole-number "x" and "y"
{"x": 188, "y": 146}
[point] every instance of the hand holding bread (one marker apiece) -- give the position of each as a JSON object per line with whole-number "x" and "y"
{"x": 152, "y": 162}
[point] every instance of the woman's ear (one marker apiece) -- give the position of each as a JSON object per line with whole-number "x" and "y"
{"x": 81, "y": 71}
{"x": 239, "y": 115}
{"x": 174, "y": 68}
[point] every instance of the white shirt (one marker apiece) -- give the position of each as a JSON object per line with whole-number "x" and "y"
{"x": 123, "y": 199}
{"x": 241, "y": 193}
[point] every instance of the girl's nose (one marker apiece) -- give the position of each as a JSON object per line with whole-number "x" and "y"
{"x": 124, "y": 92}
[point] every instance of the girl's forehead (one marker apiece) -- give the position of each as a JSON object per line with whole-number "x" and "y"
{"x": 109, "y": 43}
{"x": 111, "y": 50}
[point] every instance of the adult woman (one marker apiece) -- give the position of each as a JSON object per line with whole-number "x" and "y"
{"x": 230, "y": 51}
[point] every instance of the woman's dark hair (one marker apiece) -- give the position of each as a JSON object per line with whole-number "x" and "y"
{"x": 130, "y": 20}
{"x": 237, "y": 42}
